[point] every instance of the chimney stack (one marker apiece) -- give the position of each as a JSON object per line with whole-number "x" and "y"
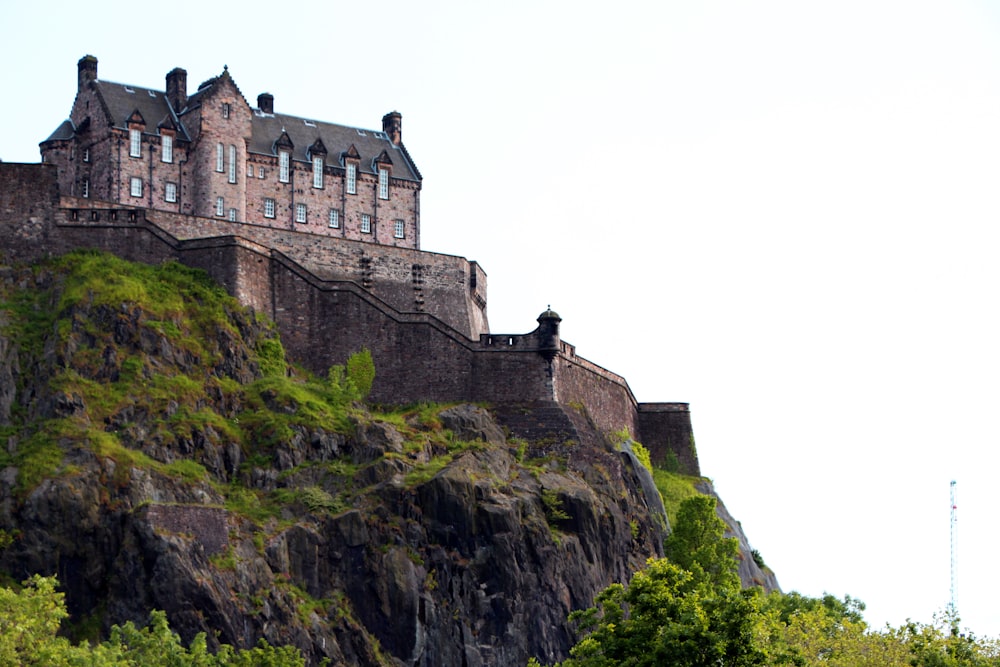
{"x": 86, "y": 71}
{"x": 177, "y": 83}
{"x": 265, "y": 102}
{"x": 392, "y": 124}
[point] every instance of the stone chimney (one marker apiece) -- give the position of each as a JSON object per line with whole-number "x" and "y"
{"x": 265, "y": 102}
{"x": 177, "y": 85}
{"x": 86, "y": 71}
{"x": 392, "y": 124}
{"x": 548, "y": 333}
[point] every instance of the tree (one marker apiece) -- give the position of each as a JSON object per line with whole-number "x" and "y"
{"x": 697, "y": 544}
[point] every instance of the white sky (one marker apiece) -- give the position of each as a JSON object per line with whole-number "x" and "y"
{"x": 783, "y": 213}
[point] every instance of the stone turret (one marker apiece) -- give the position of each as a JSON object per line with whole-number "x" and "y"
{"x": 548, "y": 333}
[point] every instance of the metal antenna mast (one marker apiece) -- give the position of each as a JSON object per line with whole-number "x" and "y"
{"x": 954, "y": 566}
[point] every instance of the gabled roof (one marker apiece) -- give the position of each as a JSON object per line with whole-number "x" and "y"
{"x": 122, "y": 101}
{"x": 337, "y": 139}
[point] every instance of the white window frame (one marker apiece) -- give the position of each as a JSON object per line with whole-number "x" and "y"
{"x": 268, "y": 207}
{"x": 167, "y": 155}
{"x": 232, "y": 163}
{"x": 135, "y": 186}
{"x": 334, "y": 218}
{"x": 232, "y": 215}
{"x": 399, "y": 229}
{"x": 85, "y": 188}
{"x": 260, "y": 173}
{"x": 86, "y": 155}
{"x": 366, "y": 223}
{"x": 220, "y": 206}
{"x": 301, "y": 213}
{"x": 249, "y": 170}
{"x": 170, "y": 193}
{"x": 284, "y": 160}
{"x": 383, "y": 183}
{"x": 318, "y": 172}
{"x": 135, "y": 143}
{"x": 352, "y": 178}
{"x": 220, "y": 158}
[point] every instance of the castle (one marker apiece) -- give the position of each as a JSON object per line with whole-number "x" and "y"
{"x": 316, "y": 225}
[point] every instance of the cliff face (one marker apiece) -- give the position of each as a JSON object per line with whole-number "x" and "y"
{"x": 160, "y": 455}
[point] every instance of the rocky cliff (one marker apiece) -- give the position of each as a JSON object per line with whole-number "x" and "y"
{"x": 162, "y": 454}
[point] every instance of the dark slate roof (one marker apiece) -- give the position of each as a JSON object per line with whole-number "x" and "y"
{"x": 64, "y": 132}
{"x": 337, "y": 139}
{"x": 122, "y": 100}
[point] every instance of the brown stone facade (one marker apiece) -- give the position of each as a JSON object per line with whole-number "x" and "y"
{"x": 331, "y": 297}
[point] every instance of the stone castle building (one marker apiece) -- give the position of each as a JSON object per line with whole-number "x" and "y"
{"x": 212, "y": 155}
{"x": 316, "y": 225}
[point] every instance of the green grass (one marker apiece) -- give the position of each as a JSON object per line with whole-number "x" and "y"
{"x": 674, "y": 489}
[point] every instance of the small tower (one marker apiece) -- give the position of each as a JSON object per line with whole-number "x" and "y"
{"x": 548, "y": 333}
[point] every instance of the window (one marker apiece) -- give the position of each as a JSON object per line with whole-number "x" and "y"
{"x": 399, "y": 229}
{"x": 283, "y": 166}
{"x": 136, "y": 187}
{"x": 366, "y": 223}
{"x": 383, "y": 183}
{"x": 260, "y": 172}
{"x": 232, "y": 215}
{"x": 249, "y": 171}
{"x": 232, "y": 163}
{"x": 168, "y": 149}
{"x": 225, "y": 109}
{"x": 220, "y": 206}
{"x": 317, "y": 172}
{"x": 268, "y": 208}
{"x": 352, "y": 178}
{"x": 219, "y": 158}
{"x": 300, "y": 213}
{"x": 334, "y": 218}
{"x": 134, "y": 143}
{"x": 85, "y": 188}
{"x": 86, "y": 155}
{"x": 170, "y": 192}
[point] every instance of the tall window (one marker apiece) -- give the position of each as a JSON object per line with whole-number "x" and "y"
{"x": 366, "y": 223}
{"x": 232, "y": 215}
{"x": 383, "y": 183}
{"x": 399, "y": 229}
{"x": 260, "y": 172}
{"x": 300, "y": 213}
{"x": 135, "y": 188}
{"x": 86, "y": 155}
{"x": 225, "y": 109}
{"x": 85, "y": 188}
{"x": 268, "y": 208}
{"x": 352, "y": 178}
{"x": 334, "y": 218}
{"x": 220, "y": 206}
{"x": 232, "y": 163}
{"x": 170, "y": 192}
{"x": 134, "y": 143}
{"x": 283, "y": 166}
{"x": 317, "y": 172}
{"x": 168, "y": 149}
{"x": 220, "y": 158}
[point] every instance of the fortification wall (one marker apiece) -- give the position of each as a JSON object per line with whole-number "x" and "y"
{"x": 326, "y": 311}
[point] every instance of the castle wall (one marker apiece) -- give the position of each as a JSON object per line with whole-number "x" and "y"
{"x": 665, "y": 428}
{"x": 606, "y": 396}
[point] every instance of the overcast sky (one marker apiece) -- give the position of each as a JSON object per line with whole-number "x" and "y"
{"x": 783, "y": 213}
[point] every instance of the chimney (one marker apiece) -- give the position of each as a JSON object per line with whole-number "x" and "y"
{"x": 392, "y": 124}
{"x": 265, "y": 102}
{"x": 86, "y": 71}
{"x": 177, "y": 85}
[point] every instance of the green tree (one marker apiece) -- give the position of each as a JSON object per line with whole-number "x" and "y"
{"x": 697, "y": 544}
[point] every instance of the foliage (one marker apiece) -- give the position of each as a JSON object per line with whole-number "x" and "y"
{"x": 674, "y": 489}
{"x": 361, "y": 372}
{"x": 30, "y": 619}
{"x": 697, "y": 544}
{"x": 642, "y": 454}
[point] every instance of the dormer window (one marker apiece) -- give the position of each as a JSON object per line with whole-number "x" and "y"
{"x": 318, "y": 172}
{"x": 283, "y": 160}
{"x": 352, "y": 178}
{"x": 383, "y": 183}
{"x": 135, "y": 143}
{"x": 168, "y": 149}
{"x": 220, "y": 158}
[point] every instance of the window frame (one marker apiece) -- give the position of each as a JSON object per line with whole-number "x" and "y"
{"x": 333, "y": 218}
{"x": 135, "y": 143}
{"x": 135, "y": 186}
{"x": 269, "y": 207}
{"x": 399, "y": 229}
{"x": 383, "y": 183}
{"x": 284, "y": 166}
{"x": 301, "y": 214}
{"x": 220, "y": 158}
{"x": 232, "y": 215}
{"x": 366, "y": 223}
{"x": 170, "y": 192}
{"x": 318, "y": 172}
{"x": 167, "y": 152}
{"x": 220, "y": 206}
{"x": 85, "y": 188}
{"x": 351, "y": 178}
{"x": 232, "y": 163}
